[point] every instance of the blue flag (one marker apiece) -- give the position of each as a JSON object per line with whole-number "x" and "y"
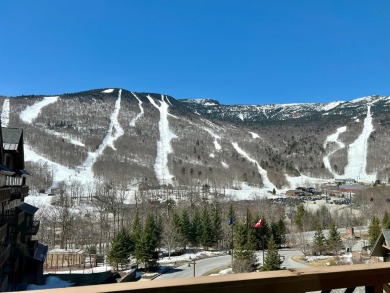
{"x": 231, "y": 221}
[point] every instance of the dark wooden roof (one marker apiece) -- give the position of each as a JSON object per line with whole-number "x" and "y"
{"x": 382, "y": 244}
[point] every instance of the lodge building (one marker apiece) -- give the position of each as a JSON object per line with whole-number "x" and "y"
{"x": 21, "y": 256}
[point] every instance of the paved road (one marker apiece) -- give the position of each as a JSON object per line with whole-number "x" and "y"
{"x": 205, "y": 265}
{"x": 202, "y": 266}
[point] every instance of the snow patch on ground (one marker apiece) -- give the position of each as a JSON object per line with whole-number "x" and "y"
{"x": 164, "y": 144}
{"x": 357, "y": 153}
{"x": 108, "y": 91}
{"x": 333, "y": 138}
{"x": 263, "y": 173}
{"x": 304, "y": 181}
{"x": 5, "y": 113}
{"x": 140, "y": 114}
{"x": 254, "y": 135}
{"x": 216, "y": 138}
{"x": 29, "y": 114}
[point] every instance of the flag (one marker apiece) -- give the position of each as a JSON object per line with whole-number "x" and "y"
{"x": 259, "y": 223}
{"x": 231, "y": 221}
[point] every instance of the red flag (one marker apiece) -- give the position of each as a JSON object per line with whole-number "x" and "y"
{"x": 259, "y": 223}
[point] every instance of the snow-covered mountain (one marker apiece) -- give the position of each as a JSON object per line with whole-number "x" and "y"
{"x": 153, "y": 140}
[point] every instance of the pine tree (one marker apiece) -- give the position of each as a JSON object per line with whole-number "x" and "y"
{"x": 185, "y": 225}
{"x": 386, "y": 221}
{"x": 374, "y": 230}
{"x": 282, "y": 231}
{"x": 333, "y": 240}
{"x": 207, "y": 229}
{"x": 263, "y": 234}
{"x": 149, "y": 241}
{"x": 244, "y": 259}
{"x": 319, "y": 241}
{"x": 196, "y": 228}
{"x": 276, "y": 233}
{"x": 272, "y": 261}
{"x": 121, "y": 248}
{"x": 136, "y": 233}
{"x": 217, "y": 223}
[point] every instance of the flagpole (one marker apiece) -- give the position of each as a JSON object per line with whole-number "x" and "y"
{"x": 232, "y": 244}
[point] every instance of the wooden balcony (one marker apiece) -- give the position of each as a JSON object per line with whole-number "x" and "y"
{"x": 19, "y": 192}
{"x": 5, "y": 194}
{"x": 5, "y": 252}
{"x": 373, "y": 277}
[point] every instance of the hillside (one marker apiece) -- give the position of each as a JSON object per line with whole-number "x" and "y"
{"x": 151, "y": 140}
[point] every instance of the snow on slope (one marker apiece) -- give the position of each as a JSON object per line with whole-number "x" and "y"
{"x": 108, "y": 91}
{"x": 5, "y": 113}
{"x": 66, "y": 137}
{"x": 333, "y": 138}
{"x": 139, "y": 115}
{"x": 164, "y": 144}
{"x": 254, "y": 135}
{"x": 357, "y": 153}
{"x": 113, "y": 133}
{"x": 263, "y": 173}
{"x": 29, "y": 114}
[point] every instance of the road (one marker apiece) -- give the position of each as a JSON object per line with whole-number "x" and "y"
{"x": 203, "y": 266}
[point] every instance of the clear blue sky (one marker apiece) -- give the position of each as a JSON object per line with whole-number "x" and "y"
{"x": 239, "y": 52}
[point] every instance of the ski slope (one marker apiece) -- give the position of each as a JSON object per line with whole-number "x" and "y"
{"x": 5, "y": 113}
{"x": 357, "y": 153}
{"x": 31, "y": 113}
{"x": 267, "y": 184}
{"x": 140, "y": 114}
{"x": 164, "y": 147}
{"x": 333, "y": 138}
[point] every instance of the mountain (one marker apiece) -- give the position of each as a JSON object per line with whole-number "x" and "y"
{"x": 150, "y": 140}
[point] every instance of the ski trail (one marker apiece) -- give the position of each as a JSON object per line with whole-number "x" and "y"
{"x": 59, "y": 172}
{"x": 139, "y": 115}
{"x": 66, "y": 137}
{"x": 254, "y": 135}
{"x": 114, "y": 132}
{"x": 29, "y": 114}
{"x": 263, "y": 173}
{"x": 164, "y": 144}
{"x": 357, "y": 153}
{"x": 333, "y": 138}
{"x": 216, "y": 138}
{"x": 5, "y": 113}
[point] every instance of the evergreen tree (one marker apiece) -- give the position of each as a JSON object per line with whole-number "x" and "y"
{"x": 207, "y": 239}
{"x": 276, "y": 233}
{"x": 185, "y": 227}
{"x": 272, "y": 261}
{"x": 136, "y": 233}
{"x": 196, "y": 228}
{"x": 231, "y": 213}
{"x": 121, "y": 248}
{"x": 386, "y": 221}
{"x": 319, "y": 241}
{"x": 244, "y": 259}
{"x": 149, "y": 241}
{"x": 263, "y": 234}
{"x": 217, "y": 223}
{"x": 333, "y": 240}
{"x": 374, "y": 230}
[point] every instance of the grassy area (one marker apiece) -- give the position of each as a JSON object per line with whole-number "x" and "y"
{"x": 216, "y": 270}
{"x": 317, "y": 263}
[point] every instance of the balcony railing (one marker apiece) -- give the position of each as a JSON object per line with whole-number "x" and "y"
{"x": 4, "y": 253}
{"x": 33, "y": 229}
{"x": 374, "y": 277}
{"x": 5, "y": 194}
{"x": 8, "y": 218}
{"x": 3, "y": 232}
{"x": 19, "y": 192}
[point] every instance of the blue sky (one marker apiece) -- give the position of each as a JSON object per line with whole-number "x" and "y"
{"x": 238, "y": 52}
